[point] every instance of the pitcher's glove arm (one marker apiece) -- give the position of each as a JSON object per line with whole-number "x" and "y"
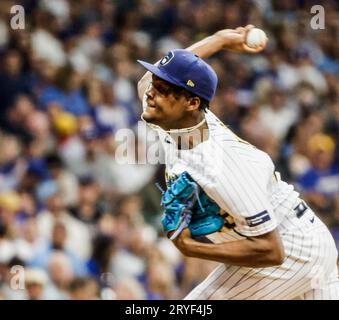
{"x": 207, "y": 221}
{"x": 178, "y": 201}
{"x": 187, "y": 205}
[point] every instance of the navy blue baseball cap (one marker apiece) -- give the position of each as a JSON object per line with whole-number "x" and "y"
{"x": 186, "y": 70}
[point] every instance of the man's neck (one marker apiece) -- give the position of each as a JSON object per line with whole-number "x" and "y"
{"x": 189, "y": 140}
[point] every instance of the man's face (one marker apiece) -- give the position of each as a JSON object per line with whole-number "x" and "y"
{"x": 165, "y": 107}
{"x": 322, "y": 159}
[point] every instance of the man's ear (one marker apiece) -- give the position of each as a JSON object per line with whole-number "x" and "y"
{"x": 193, "y": 104}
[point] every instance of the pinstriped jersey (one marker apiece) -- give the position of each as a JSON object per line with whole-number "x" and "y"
{"x": 253, "y": 201}
{"x": 239, "y": 177}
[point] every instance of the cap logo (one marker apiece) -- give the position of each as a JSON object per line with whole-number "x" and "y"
{"x": 166, "y": 59}
{"x": 190, "y": 83}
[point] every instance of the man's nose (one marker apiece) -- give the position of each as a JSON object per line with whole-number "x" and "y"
{"x": 150, "y": 91}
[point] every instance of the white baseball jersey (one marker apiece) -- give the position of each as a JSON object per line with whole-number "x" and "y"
{"x": 254, "y": 201}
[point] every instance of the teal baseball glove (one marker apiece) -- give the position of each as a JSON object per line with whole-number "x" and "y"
{"x": 207, "y": 221}
{"x": 187, "y": 205}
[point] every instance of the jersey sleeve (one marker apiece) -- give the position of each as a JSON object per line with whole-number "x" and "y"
{"x": 241, "y": 189}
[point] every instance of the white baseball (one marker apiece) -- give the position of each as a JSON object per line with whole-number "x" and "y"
{"x": 255, "y": 38}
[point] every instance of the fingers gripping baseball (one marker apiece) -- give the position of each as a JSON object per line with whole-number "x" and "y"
{"x": 243, "y": 39}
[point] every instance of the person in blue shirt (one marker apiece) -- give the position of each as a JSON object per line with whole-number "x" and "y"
{"x": 66, "y": 92}
{"x": 320, "y": 183}
{"x": 57, "y": 243}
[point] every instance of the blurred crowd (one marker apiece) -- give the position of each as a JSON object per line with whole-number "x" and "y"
{"x": 87, "y": 227}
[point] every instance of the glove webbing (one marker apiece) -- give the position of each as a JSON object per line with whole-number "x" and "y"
{"x": 187, "y": 214}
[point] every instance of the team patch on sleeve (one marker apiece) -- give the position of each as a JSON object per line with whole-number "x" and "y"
{"x": 258, "y": 219}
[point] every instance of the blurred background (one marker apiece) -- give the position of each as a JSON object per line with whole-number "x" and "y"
{"x": 87, "y": 227}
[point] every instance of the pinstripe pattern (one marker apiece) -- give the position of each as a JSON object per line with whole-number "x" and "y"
{"x": 212, "y": 281}
{"x": 297, "y": 281}
{"x": 240, "y": 179}
{"x": 300, "y": 271}
{"x": 239, "y": 292}
{"x": 329, "y": 290}
{"x": 229, "y": 190}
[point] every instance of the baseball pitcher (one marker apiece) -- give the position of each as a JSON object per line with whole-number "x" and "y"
{"x": 224, "y": 200}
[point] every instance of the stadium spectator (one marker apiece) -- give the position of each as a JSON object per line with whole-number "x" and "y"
{"x": 320, "y": 183}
